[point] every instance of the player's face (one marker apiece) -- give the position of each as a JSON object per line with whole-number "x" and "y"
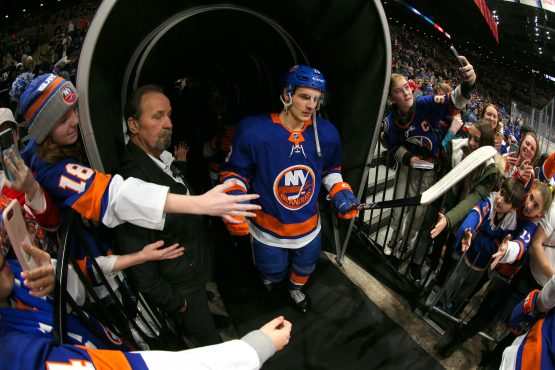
{"x": 491, "y": 115}
{"x": 153, "y": 130}
{"x": 527, "y": 148}
{"x": 6, "y": 279}
{"x": 400, "y": 94}
{"x": 66, "y": 131}
{"x": 474, "y": 136}
{"x": 501, "y": 203}
{"x": 305, "y": 101}
{"x": 533, "y": 204}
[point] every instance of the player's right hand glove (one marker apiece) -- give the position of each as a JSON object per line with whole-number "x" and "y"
{"x": 524, "y": 313}
{"x": 343, "y": 199}
{"x": 240, "y": 229}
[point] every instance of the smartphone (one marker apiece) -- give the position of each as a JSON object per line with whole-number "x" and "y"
{"x": 7, "y": 142}
{"x": 18, "y": 233}
{"x": 513, "y": 148}
{"x": 456, "y": 55}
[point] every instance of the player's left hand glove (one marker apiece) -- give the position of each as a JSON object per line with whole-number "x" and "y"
{"x": 343, "y": 198}
{"x": 524, "y": 313}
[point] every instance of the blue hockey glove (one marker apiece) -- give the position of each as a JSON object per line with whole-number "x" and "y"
{"x": 344, "y": 199}
{"x": 524, "y": 313}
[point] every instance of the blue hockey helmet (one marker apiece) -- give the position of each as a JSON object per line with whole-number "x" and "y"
{"x": 304, "y": 76}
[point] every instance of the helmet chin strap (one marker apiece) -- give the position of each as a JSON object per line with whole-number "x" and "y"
{"x": 286, "y": 105}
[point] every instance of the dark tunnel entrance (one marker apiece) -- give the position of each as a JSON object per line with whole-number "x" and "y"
{"x": 240, "y": 48}
{"x": 218, "y": 78}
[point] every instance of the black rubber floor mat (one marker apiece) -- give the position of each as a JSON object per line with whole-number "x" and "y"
{"x": 343, "y": 330}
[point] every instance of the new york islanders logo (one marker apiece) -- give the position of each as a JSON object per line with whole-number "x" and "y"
{"x": 294, "y": 187}
{"x": 69, "y": 95}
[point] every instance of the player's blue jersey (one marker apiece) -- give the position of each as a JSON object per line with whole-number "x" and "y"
{"x": 282, "y": 166}
{"x": 488, "y": 232}
{"x": 421, "y": 135}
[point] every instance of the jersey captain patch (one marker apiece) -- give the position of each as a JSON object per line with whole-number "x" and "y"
{"x": 294, "y": 187}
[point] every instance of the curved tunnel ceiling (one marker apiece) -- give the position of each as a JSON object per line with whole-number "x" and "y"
{"x": 243, "y": 47}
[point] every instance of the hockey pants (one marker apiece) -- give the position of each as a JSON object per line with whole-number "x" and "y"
{"x": 275, "y": 263}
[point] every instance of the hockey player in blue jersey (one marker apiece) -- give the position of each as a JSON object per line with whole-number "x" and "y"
{"x": 412, "y": 134}
{"x": 286, "y": 158}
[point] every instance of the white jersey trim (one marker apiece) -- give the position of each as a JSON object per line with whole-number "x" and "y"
{"x": 273, "y": 241}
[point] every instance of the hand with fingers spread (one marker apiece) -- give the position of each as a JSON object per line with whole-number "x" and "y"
{"x": 23, "y": 177}
{"x": 279, "y": 331}
{"x": 440, "y": 225}
{"x": 180, "y": 151}
{"x": 466, "y": 240}
{"x": 217, "y": 202}
{"x": 496, "y": 257}
{"x": 40, "y": 280}
{"x": 155, "y": 252}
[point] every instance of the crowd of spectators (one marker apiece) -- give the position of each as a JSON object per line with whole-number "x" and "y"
{"x": 52, "y": 40}
{"x": 428, "y": 59}
{"x": 484, "y": 229}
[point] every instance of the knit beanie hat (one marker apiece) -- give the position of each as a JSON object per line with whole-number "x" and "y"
{"x": 44, "y": 102}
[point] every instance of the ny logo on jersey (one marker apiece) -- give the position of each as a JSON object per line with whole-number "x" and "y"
{"x": 294, "y": 187}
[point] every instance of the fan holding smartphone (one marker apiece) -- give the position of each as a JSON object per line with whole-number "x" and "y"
{"x": 7, "y": 142}
{"x": 12, "y": 218}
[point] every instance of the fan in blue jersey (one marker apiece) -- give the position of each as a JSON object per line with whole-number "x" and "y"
{"x": 504, "y": 280}
{"x": 49, "y": 105}
{"x": 412, "y": 134}
{"x": 484, "y": 235}
{"x": 286, "y": 158}
{"x": 27, "y": 342}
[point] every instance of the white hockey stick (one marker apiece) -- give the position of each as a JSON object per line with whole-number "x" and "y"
{"x": 459, "y": 172}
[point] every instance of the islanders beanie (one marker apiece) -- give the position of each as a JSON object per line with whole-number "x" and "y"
{"x": 44, "y": 102}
